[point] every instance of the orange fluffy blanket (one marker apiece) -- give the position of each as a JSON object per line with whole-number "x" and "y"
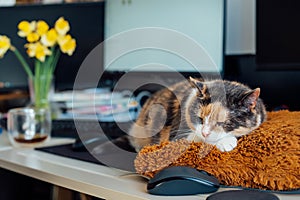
{"x": 268, "y": 158}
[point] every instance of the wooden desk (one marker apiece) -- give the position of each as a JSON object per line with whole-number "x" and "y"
{"x": 84, "y": 177}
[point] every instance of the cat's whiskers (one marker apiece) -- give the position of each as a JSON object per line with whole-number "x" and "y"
{"x": 181, "y": 134}
{"x": 182, "y": 130}
{"x": 194, "y": 137}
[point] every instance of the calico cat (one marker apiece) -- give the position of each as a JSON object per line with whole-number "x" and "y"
{"x": 216, "y": 112}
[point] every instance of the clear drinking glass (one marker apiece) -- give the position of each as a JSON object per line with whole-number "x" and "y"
{"x": 28, "y": 127}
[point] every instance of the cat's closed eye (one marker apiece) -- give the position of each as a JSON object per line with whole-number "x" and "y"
{"x": 200, "y": 120}
{"x": 220, "y": 123}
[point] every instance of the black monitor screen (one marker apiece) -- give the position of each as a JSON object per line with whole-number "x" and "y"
{"x": 87, "y": 27}
{"x": 278, "y": 33}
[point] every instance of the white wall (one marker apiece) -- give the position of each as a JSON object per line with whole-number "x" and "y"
{"x": 240, "y": 31}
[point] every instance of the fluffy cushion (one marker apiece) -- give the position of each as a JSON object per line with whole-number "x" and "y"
{"x": 268, "y": 158}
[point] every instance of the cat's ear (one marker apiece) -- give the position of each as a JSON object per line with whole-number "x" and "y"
{"x": 250, "y": 98}
{"x": 202, "y": 88}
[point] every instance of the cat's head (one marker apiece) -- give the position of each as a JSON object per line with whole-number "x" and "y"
{"x": 216, "y": 108}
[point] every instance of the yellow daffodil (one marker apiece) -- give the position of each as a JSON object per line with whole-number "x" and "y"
{"x": 41, "y": 27}
{"x": 67, "y": 44}
{"x": 38, "y": 51}
{"x": 62, "y": 26}
{"x": 25, "y": 28}
{"x": 50, "y": 38}
{"x": 31, "y": 48}
{"x": 4, "y": 45}
{"x": 32, "y": 37}
{"x": 41, "y": 52}
{"x": 61, "y": 39}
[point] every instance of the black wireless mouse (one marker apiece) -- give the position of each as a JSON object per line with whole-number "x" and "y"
{"x": 242, "y": 194}
{"x": 182, "y": 180}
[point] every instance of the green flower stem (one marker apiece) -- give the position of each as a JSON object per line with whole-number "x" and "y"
{"x": 37, "y": 84}
{"x": 55, "y": 60}
{"x": 22, "y": 61}
{"x": 43, "y": 79}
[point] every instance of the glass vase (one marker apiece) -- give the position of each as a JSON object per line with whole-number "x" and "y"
{"x": 40, "y": 89}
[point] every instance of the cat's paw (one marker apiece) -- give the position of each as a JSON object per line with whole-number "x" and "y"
{"x": 226, "y": 144}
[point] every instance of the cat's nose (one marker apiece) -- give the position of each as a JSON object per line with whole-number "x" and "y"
{"x": 205, "y": 134}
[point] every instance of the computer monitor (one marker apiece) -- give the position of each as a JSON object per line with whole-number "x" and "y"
{"x": 87, "y": 27}
{"x": 156, "y": 40}
{"x": 277, "y": 34}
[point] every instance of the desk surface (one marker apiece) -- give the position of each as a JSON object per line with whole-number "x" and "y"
{"x": 88, "y": 178}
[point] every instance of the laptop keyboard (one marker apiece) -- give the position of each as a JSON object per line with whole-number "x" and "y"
{"x": 67, "y": 128}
